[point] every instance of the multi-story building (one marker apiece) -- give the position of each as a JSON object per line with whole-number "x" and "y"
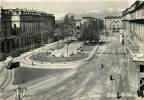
{"x": 113, "y": 23}
{"x": 0, "y": 36}
{"x": 133, "y": 25}
{"x": 21, "y": 28}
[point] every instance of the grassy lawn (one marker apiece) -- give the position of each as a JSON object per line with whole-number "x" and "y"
{"x": 42, "y": 56}
{"x": 88, "y": 48}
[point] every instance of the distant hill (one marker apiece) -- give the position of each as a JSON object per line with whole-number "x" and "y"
{"x": 96, "y": 14}
{"x": 99, "y": 14}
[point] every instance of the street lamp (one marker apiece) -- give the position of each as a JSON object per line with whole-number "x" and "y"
{"x": 32, "y": 52}
{"x": 47, "y": 44}
{"x": 58, "y": 40}
{"x": 67, "y": 47}
{"x": 66, "y": 31}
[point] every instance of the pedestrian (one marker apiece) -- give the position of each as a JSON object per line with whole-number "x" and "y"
{"x": 52, "y": 61}
{"x": 102, "y": 66}
{"x": 41, "y": 62}
{"x": 118, "y": 95}
{"x": 122, "y": 41}
{"x": 32, "y": 63}
{"x": 111, "y": 78}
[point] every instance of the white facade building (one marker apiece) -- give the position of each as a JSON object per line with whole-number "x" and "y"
{"x": 112, "y": 23}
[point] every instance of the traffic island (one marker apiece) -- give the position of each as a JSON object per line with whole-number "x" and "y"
{"x": 43, "y": 57}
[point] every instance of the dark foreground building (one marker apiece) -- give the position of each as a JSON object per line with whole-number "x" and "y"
{"x": 133, "y": 24}
{"x": 22, "y": 28}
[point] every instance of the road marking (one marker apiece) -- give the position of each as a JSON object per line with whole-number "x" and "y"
{"x": 61, "y": 88}
{"x": 81, "y": 89}
{"x": 78, "y": 92}
{"x": 87, "y": 79}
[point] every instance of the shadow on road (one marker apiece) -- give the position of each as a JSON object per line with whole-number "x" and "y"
{"x": 24, "y": 74}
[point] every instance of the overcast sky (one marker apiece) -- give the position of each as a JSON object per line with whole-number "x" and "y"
{"x": 61, "y": 7}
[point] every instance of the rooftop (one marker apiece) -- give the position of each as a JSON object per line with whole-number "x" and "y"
{"x": 113, "y": 17}
{"x": 136, "y": 5}
{"x": 25, "y": 11}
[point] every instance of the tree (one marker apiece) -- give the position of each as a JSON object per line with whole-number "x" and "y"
{"x": 91, "y": 30}
{"x": 69, "y": 24}
{"x": 66, "y": 20}
{"x": 72, "y": 21}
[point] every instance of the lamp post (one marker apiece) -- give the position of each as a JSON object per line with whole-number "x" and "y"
{"x": 67, "y": 47}
{"x": 66, "y": 31}
{"x": 58, "y": 40}
{"x": 48, "y": 44}
{"x": 32, "y": 51}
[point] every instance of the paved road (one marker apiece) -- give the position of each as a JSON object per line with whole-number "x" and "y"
{"x": 90, "y": 81}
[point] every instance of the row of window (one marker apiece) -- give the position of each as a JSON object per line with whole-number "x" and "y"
{"x": 136, "y": 33}
{"x": 35, "y": 27}
{"x": 137, "y": 28}
{"x": 35, "y": 18}
{"x": 138, "y": 14}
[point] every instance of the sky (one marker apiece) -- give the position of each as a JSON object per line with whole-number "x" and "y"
{"x": 61, "y": 7}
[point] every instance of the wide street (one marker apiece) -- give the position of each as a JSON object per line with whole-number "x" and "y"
{"x": 91, "y": 82}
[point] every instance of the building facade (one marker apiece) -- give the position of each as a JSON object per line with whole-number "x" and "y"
{"x": 0, "y": 36}
{"x": 22, "y": 28}
{"x": 133, "y": 25}
{"x": 112, "y": 23}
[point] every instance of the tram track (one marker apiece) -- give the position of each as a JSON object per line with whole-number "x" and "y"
{"x": 5, "y": 83}
{"x": 6, "y": 80}
{"x": 34, "y": 82}
{"x": 2, "y": 69}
